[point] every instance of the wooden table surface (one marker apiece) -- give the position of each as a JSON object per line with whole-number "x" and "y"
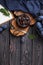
{"x": 20, "y": 50}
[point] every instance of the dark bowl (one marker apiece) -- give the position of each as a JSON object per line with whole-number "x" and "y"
{"x": 23, "y": 20}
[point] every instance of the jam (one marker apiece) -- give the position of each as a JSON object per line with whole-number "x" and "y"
{"x": 23, "y": 20}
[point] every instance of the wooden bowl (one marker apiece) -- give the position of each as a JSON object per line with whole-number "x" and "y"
{"x": 16, "y": 30}
{"x": 20, "y": 31}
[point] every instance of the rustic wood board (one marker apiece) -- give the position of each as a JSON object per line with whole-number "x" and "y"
{"x": 26, "y": 49}
{"x": 14, "y": 50}
{"x": 4, "y": 47}
{"x": 20, "y": 50}
{"x": 37, "y": 50}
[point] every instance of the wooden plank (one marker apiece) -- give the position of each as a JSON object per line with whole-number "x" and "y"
{"x": 37, "y": 50}
{"x": 26, "y": 49}
{"x": 20, "y": 50}
{"x": 4, "y": 47}
{"x": 14, "y": 50}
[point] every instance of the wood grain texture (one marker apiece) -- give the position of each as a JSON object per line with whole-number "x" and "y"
{"x": 4, "y": 47}
{"x": 14, "y": 50}
{"x": 20, "y": 50}
{"x": 26, "y": 49}
{"x": 37, "y": 50}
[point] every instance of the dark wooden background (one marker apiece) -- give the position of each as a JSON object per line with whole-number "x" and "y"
{"x": 20, "y": 50}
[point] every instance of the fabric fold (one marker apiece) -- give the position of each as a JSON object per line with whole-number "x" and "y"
{"x": 29, "y": 6}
